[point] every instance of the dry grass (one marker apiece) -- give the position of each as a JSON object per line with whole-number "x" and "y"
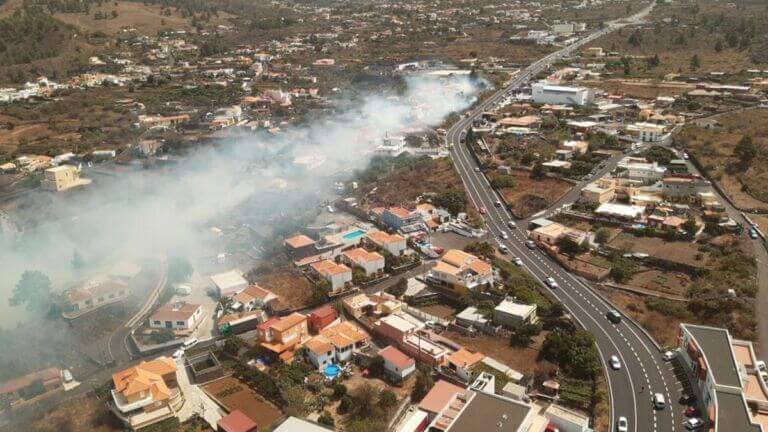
{"x": 663, "y": 328}
{"x": 405, "y": 185}
{"x": 642, "y": 89}
{"x": 676, "y": 252}
{"x": 523, "y": 360}
{"x": 83, "y": 413}
{"x": 287, "y": 283}
{"x": 530, "y": 195}
{"x": 661, "y": 281}
{"x": 234, "y": 395}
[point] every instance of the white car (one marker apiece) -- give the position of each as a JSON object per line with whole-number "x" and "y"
{"x": 552, "y": 283}
{"x": 504, "y": 235}
{"x": 694, "y": 423}
{"x": 658, "y": 401}
{"x": 760, "y": 365}
{"x": 622, "y": 425}
{"x": 512, "y": 225}
{"x": 669, "y": 355}
{"x": 518, "y": 261}
{"x": 189, "y": 343}
{"x": 615, "y": 363}
{"x": 179, "y": 353}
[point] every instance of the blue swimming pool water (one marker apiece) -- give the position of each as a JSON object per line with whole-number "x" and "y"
{"x": 353, "y": 235}
{"x": 332, "y": 370}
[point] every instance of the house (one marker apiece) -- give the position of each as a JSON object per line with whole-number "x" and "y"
{"x": 473, "y": 410}
{"x": 336, "y": 344}
{"x": 236, "y": 421}
{"x": 727, "y": 381}
{"x": 439, "y": 396}
{"x": 510, "y": 314}
{"x": 683, "y": 186}
{"x": 601, "y": 191}
{"x": 229, "y": 283}
{"x": 371, "y": 305}
{"x": 396, "y": 218}
{"x": 461, "y": 272}
{"x": 254, "y": 297}
{"x": 622, "y": 212}
{"x": 61, "y": 178}
{"x": 295, "y": 424}
{"x": 544, "y": 93}
{"x": 551, "y": 234}
{"x": 646, "y": 132}
{"x": 30, "y": 386}
{"x": 579, "y": 147}
{"x": 179, "y": 316}
{"x": 396, "y": 364}
{"x": 407, "y": 333}
{"x": 392, "y": 243}
{"x": 338, "y": 275}
{"x": 371, "y": 262}
{"x": 321, "y": 318}
{"x": 93, "y": 295}
{"x": 162, "y": 122}
{"x": 462, "y": 363}
{"x": 146, "y": 393}
{"x": 639, "y": 169}
{"x": 529, "y": 121}
{"x": 283, "y": 335}
{"x": 300, "y": 246}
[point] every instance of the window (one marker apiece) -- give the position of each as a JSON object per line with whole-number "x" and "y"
{"x": 157, "y": 323}
{"x": 180, "y": 323}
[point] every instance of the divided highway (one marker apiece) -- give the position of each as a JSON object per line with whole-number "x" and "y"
{"x": 643, "y": 372}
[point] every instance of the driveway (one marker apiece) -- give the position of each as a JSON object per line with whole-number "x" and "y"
{"x": 196, "y": 402}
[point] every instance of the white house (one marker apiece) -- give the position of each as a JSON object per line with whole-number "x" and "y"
{"x": 177, "y": 316}
{"x": 370, "y": 262}
{"x": 463, "y": 362}
{"x": 229, "y": 283}
{"x": 336, "y": 344}
{"x": 511, "y": 314}
{"x": 392, "y": 243}
{"x": 646, "y": 172}
{"x": 544, "y": 93}
{"x": 254, "y": 297}
{"x": 647, "y": 132}
{"x": 397, "y": 364}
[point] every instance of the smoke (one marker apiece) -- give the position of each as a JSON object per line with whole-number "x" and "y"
{"x": 257, "y": 176}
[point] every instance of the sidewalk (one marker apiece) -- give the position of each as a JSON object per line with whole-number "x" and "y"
{"x": 196, "y": 401}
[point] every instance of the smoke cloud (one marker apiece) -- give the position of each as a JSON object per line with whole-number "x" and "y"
{"x": 256, "y": 176}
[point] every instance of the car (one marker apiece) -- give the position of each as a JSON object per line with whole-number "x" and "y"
{"x": 530, "y": 244}
{"x": 669, "y": 355}
{"x": 518, "y": 261}
{"x": 622, "y": 425}
{"x": 477, "y": 169}
{"x": 613, "y": 316}
{"x": 687, "y": 399}
{"x": 753, "y": 234}
{"x": 764, "y": 376}
{"x": 512, "y": 225}
{"x": 552, "y": 283}
{"x": 504, "y": 249}
{"x": 694, "y": 423}
{"x": 497, "y": 203}
{"x": 692, "y": 411}
{"x": 658, "y": 401}
{"x": 760, "y": 365}
{"x": 504, "y": 235}
{"x": 483, "y": 211}
{"x": 615, "y": 363}
{"x": 189, "y": 343}
{"x": 67, "y": 376}
{"x": 179, "y": 353}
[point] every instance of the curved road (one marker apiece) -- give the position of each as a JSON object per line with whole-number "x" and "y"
{"x": 643, "y": 372}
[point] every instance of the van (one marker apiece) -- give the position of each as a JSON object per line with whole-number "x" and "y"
{"x": 658, "y": 401}
{"x": 189, "y": 343}
{"x": 67, "y": 376}
{"x": 613, "y": 316}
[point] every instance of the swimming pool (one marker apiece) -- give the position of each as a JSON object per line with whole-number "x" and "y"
{"x": 331, "y": 371}
{"x": 353, "y": 235}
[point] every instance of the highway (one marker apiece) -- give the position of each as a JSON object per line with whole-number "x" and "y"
{"x": 643, "y": 371}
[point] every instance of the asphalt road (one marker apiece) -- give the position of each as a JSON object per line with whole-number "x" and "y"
{"x": 643, "y": 372}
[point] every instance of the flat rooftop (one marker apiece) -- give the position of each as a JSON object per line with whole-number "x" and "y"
{"x": 716, "y": 346}
{"x": 732, "y": 411}
{"x": 486, "y": 412}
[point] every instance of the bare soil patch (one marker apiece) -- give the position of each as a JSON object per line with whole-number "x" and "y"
{"x": 235, "y": 395}
{"x": 523, "y": 360}
{"x": 287, "y": 283}
{"x": 530, "y": 195}
{"x": 82, "y": 413}
{"x": 662, "y": 327}
{"x": 662, "y": 281}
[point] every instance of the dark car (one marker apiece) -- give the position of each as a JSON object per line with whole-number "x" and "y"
{"x": 613, "y": 316}
{"x": 687, "y": 399}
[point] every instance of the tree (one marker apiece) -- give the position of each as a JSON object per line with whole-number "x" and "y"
{"x": 398, "y": 289}
{"x": 339, "y": 391}
{"x": 481, "y": 249}
{"x": 523, "y": 334}
{"x": 387, "y": 399}
{"x": 34, "y": 291}
{"x": 538, "y": 171}
{"x": 232, "y": 345}
{"x": 695, "y": 62}
{"x": 570, "y": 247}
{"x": 602, "y": 235}
{"x": 627, "y": 64}
{"x": 326, "y": 419}
{"x": 635, "y": 39}
{"x": 746, "y": 150}
{"x": 690, "y": 225}
{"x": 364, "y": 401}
{"x": 574, "y": 351}
{"x": 654, "y": 61}
{"x": 423, "y": 384}
{"x": 453, "y": 200}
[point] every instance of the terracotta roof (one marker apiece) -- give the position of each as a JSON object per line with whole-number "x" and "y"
{"x": 284, "y": 323}
{"x": 465, "y": 358}
{"x": 396, "y": 357}
{"x": 236, "y": 421}
{"x": 93, "y": 289}
{"x": 400, "y": 212}
{"x": 253, "y": 292}
{"x": 382, "y": 238}
{"x": 344, "y": 334}
{"x": 323, "y": 311}
{"x": 359, "y": 255}
{"x": 145, "y": 376}
{"x": 328, "y": 268}
{"x": 318, "y": 345}
{"x": 439, "y": 396}
{"x": 299, "y": 241}
{"x": 174, "y": 312}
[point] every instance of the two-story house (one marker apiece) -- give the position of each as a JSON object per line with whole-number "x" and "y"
{"x": 370, "y": 262}
{"x": 146, "y": 393}
{"x": 283, "y": 335}
{"x": 336, "y": 344}
{"x": 338, "y": 275}
{"x": 461, "y": 272}
{"x": 392, "y": 243}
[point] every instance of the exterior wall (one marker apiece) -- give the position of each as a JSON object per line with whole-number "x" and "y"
{"x": 578, "y": 97}
{"x": 463, "y": 373}
{"x": 395, "y": 248}
{"x": 397, "y": 372}
{"x": 340, "y": 279}
{"x": 100, "y": 300}
{"x": 57, "y": 179}
{"x": 509, "y": 320}
{"x": 372, "y": 267}
{"x": 321, "y": 360}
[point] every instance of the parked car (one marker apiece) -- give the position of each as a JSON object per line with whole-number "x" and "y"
{"x": 179, "y": 353}
{"x": 669, "y": 355}
{"x": 753, "y": 234}
{"x": 622, "y": 425}
{"x": 687, "y": 399}
{"x": 694, "y": 423}
{"x": 615, "y": 363}
{"x": 658, "y": 401}
{"x": 692, "y": 412}
{"x": 483, "y": 210}
{"x": 530, "y": 244}
{"x": 613, "y": 316}
{"x": 189, "y": 343}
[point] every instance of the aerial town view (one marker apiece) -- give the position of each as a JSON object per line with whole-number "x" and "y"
{"x": 383, "y": 215}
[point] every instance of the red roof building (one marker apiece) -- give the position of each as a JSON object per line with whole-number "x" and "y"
{"x": 236, "y": 421}
{"x": 321, "y": 317}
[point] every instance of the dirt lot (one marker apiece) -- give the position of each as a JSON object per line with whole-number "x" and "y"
{"x": 662, "y": 327}
{"x": 662, "y": 281}
{"x": 713, "y": 148}
{"x": 643, "y": 89}
{"x": 530, "y": 196}
{"x": 522, "y": 360}
{"x": 234, "y": 395}
{"x": 440, "y": 310}
{"x": 677, "y": 252}
{"x": 287, "y": 283}
{"x": 404, "y": 185}
{"x": 84, "y": 413}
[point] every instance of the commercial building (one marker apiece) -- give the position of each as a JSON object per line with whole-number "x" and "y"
{"x": 229, "y": 283}
{"x": 179, "y": 316}
{"x": 146, "y": 393}
{"x": 725, "y": 375}
{"x": 544, "y": 93}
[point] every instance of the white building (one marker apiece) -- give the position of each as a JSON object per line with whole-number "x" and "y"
{"x": 370, "y": 262}
{"x": 338, "y": 275}
{"x": 229, "y": 283}
{"x": 511, "y": 314}
{"x": 620, "y": 211}
{"x": 544, "y": 93}
{"x": 646, "y": 132}
{"x": 177, "y": 316}
{"x": 643, "y": 171}
{"x": 397, "y": 364}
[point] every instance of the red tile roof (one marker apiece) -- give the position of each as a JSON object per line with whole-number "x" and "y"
{"x": 396, "y": 357}
{"x": 236, "y": 421}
